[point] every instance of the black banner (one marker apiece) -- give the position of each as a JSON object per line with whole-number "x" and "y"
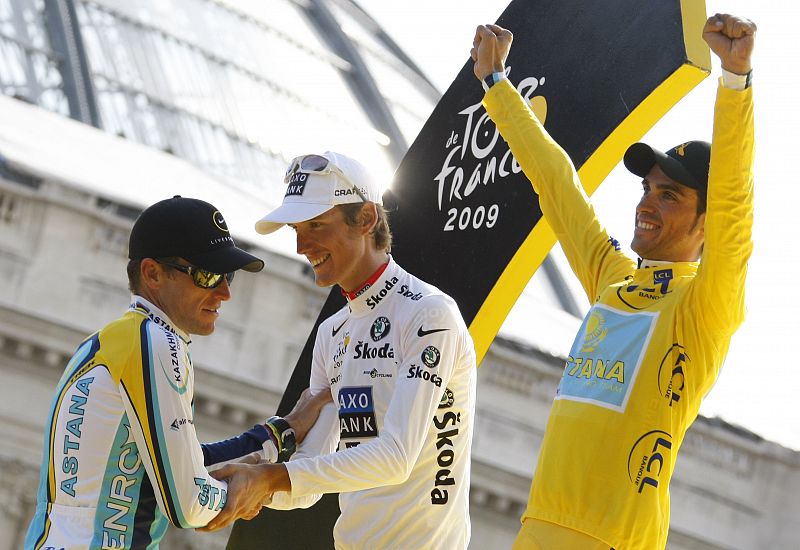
{"x": 464, "y": 217}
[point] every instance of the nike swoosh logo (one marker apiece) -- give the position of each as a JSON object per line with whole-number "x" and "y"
{"x": 422, "y": 332}
{"x": 336, "y": 330}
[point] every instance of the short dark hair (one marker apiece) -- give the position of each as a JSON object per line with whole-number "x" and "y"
{"x": 134, "y": 270}
{"x": 381, "y": 233}
{"x": 701, "y": 202}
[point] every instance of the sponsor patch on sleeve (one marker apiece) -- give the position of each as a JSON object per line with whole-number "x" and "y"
{"x": 356, "y": 414}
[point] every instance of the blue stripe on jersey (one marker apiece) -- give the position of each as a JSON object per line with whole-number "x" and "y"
{"x": 40, "y": 526}
{"x": 118, "y": 501}
{"x": 160, "y": 450}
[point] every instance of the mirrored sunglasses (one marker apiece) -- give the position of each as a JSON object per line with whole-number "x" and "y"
{"x": 201, "y": 277}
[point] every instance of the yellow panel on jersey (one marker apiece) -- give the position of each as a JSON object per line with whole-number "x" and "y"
{"x": 650, "y": 347}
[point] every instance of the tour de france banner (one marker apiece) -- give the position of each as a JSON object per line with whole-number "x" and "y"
{"x": 464, "y": 216}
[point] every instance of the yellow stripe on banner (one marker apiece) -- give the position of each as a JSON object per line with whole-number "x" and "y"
{"x": 693, "y": 15}
{"x": 534, "y": 249}
{"x": 509, "y": 286}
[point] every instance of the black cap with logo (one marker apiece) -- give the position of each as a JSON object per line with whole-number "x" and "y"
{"x": 686, "y": 163}
{"x": 190, "y": 229}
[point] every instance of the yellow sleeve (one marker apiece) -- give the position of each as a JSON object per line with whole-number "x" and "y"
{"x": 718, "y": 289}
{"x": 592, "y": 254}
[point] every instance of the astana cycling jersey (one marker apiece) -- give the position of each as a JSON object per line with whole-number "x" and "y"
{"x": 401, "y": 366}
{"x": 121, "y": 456}
{"x": 650, "y": 347}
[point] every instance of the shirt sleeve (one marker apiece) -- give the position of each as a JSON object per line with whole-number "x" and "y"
{"x": 321, "y": 439}
{"x": 390, "y": 457}
{"x": 718, "y": 289}
{"x": 156, "y": 387}
{"x": 250, "y": 441}
{"x": 593, "y": 255}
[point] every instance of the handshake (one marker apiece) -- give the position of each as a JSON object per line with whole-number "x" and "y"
{"x": 252, "y": 480}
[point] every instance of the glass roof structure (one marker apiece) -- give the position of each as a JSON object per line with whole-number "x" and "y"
{"x": 236, "y": 87}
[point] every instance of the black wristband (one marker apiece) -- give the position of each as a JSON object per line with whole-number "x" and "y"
{"x": 284, "y": 433}
{"x": 493, "y": 79}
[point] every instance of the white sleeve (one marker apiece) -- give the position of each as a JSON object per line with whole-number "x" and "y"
{"x": 389, "y": 458}
{"x": 321, "y": 439}
{"x": 156, "y": 390}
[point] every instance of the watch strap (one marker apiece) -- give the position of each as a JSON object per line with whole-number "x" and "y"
{"x": 283, "y": 435}
{"x": 493, "y": 79}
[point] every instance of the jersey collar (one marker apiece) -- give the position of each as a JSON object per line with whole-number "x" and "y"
{"x": 144, "y": 307}
{"x": 366, "y": 285}
{"x": 658, "y": 264}
{"x": 376, "y": 293}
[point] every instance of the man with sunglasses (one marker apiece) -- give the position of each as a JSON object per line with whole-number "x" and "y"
{"x": 400, "y": 363}
{"x": 122, "y": 459}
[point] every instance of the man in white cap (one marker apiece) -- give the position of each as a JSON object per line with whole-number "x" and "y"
{"x": 400, "y": 364}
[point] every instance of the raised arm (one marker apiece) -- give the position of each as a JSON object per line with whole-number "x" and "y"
{"x": 719, "y": 287}
{"x": 593, "y": 255}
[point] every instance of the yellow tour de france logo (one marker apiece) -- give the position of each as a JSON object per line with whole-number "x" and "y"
{"x": 595, "y": 331}
{"x": 681, "y": 149}
{"x": 219, "y": 221}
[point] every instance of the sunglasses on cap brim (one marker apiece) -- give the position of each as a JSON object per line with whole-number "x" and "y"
{"x": 317, "y": 164}
{"x": 200, "y": 277}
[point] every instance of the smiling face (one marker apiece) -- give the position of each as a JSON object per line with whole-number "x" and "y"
{"x": 193, "y": 309}
{"x": 668, "y": 227}
{"x": 339, "y": 253}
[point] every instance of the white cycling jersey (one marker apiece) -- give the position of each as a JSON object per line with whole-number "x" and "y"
{"x": 400, "y": 363}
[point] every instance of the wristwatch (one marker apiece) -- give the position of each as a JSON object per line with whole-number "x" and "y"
{"x": 282, "y": 434}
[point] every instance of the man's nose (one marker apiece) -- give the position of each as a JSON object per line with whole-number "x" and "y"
{"x": 646, "y": 203}
{"x": 302, "y": 242}
{"x": 223, "y": 291}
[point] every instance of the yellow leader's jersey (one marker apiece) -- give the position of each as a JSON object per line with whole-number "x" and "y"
{"x": 650, "y": 347}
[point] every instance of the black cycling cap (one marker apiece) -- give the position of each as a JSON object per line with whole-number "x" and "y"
{"x": 190, "y": 229}
{"x": 686, "y": 163}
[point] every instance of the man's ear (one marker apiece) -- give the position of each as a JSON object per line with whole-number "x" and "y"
{"x": 700, "y": 224}
{"x": 151, "y": 273}
{"x": 368, "y": 217}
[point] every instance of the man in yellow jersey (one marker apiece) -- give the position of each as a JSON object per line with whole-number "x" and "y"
{"x": 653, "y": 342}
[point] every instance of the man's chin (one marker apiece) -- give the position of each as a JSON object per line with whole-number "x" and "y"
{"x": 322, "y": 283}
{"x": 203, "y": 331}
{"x": 642, "y": 248}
